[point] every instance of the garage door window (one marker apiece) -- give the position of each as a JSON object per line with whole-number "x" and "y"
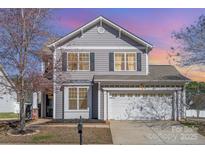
{"x": 78, "y": 98}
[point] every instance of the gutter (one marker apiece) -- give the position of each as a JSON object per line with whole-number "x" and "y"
{"x": 142, "y": 80}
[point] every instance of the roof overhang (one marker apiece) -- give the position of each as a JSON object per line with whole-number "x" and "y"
{"x": 147, "y": 82}
{"x": 101, "y": 20}
{"x": 135, "y": 79}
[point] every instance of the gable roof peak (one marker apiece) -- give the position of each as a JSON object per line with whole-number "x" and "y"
{"x": 107, "y": 21}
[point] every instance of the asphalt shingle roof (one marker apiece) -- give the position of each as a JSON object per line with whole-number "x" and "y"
{"x": 156, "y": 73}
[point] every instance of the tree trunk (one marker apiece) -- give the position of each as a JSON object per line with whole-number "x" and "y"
{"x": 22, "y": 106}
{"x": 22, "y": 116}
{"x": 22, "y": 69}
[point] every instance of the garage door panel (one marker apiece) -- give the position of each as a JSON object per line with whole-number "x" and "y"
{"x": 139, "y": 107}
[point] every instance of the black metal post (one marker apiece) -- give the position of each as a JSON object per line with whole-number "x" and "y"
{"x": 80, "y": 130}
{"x": 81, "y": 139}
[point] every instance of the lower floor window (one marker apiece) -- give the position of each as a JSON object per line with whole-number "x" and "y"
{"x": 78, "y": 98}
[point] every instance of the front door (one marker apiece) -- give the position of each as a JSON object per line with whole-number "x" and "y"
{"x": 49, "y": 106}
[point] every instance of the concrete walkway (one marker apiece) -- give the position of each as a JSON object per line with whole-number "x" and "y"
{"x": 155, "y": 132}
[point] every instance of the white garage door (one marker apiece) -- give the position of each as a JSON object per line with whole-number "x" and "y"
{"x": 139, "y": 107}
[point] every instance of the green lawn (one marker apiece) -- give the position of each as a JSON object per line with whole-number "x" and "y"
{"x": 60, "y": 135}
{"x": 8, "y": 115}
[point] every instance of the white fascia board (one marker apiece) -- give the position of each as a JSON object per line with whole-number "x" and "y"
{"x": 134, "y": 89}
{"x": 54, "y": 85}
{"x": 74, "y": 32}
{"x": 96, "y": 80}
{"x": 147, "y": 63}
{"x": 133, "y": 36}
{"x": 99, "y": 47}
{"x": 77, "y": 84}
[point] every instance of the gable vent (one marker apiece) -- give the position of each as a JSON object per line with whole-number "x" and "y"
{"x": 101, "y": 30}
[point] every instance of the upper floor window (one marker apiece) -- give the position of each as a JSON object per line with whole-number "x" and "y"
{"x": 125, "y": 61}
{"x": 79, "y": 61}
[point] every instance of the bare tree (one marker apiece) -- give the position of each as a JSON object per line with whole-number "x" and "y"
{"x": 146, "y": 107}
{"x": 190, "y": 44}
{"x": 46, "y": 79}
{"x": 22, "y": 33}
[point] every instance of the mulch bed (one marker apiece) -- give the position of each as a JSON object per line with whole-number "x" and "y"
{"x": 199, "y": 124}
{"x": 77, "y": 121}
{"x": 74, "y": 121}
{"x": 17, "y": 132}
{"x": 60, "y": 135}
{"x": 201, "y": 130}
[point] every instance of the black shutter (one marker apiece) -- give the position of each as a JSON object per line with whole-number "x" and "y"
{"x": 139, "y": 62}
{"x": 92, "y": 61}
{"x": 111, "y": 61}
{"x": 64, "y": 61}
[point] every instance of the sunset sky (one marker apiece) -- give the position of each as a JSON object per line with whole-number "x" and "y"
{"x": 153, "y": 25}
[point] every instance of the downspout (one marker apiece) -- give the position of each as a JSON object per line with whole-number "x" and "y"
{"x": 63, "y": 102}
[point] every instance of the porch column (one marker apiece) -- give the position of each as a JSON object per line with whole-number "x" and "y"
{"x": 99, "y": 103}
{"x": 63, "y": 102}
{"x": 44, "y": 105}
{"x": 184, "y": 103}
{"x": 105, "y": 104}
{"x": 35, "y": 106}
{"x": 41, "y": 105}
{"x": 179, "y": 105}
{"x": 175, "y": 106}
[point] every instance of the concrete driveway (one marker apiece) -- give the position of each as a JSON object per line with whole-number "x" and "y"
{"x": 153, "y": 132}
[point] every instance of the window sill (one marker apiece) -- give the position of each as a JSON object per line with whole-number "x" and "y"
{"x": 76, "y": 110}
{"x": 78, "y": 71}
{"x": 127, "y": 71}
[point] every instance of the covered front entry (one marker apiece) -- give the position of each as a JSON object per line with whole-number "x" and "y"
{"x": 45, "y": 105}
{"x": 134, "y": 106}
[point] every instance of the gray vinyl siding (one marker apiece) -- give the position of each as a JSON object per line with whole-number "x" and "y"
{"x": 102, "y": 65}
{"x": 110, "y": 37}
{"x": 58, "y": 107}
{"x": 95, "y": 101}
{"x": 101, "y": 68}
{"x": 93, "y": 38}
{"x": 101, "y": 105}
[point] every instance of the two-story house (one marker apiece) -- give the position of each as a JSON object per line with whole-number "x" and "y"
{"x": 105, "y": 74}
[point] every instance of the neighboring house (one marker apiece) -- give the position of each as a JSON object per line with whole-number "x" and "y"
{"x": 8, "y": 97}
{"x": 197, "y": 106}
{"x": 106, "y": 75}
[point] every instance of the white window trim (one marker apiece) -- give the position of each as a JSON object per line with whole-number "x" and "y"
{"x": 78, "y": 66}
{"x": 125, "y": 62}
{"x": 70, "y": 110}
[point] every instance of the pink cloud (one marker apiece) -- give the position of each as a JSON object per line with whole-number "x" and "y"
{"x": 71, "y": 23}
{"x": 158, "y": 56}
{"x": 159, "y": 31}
